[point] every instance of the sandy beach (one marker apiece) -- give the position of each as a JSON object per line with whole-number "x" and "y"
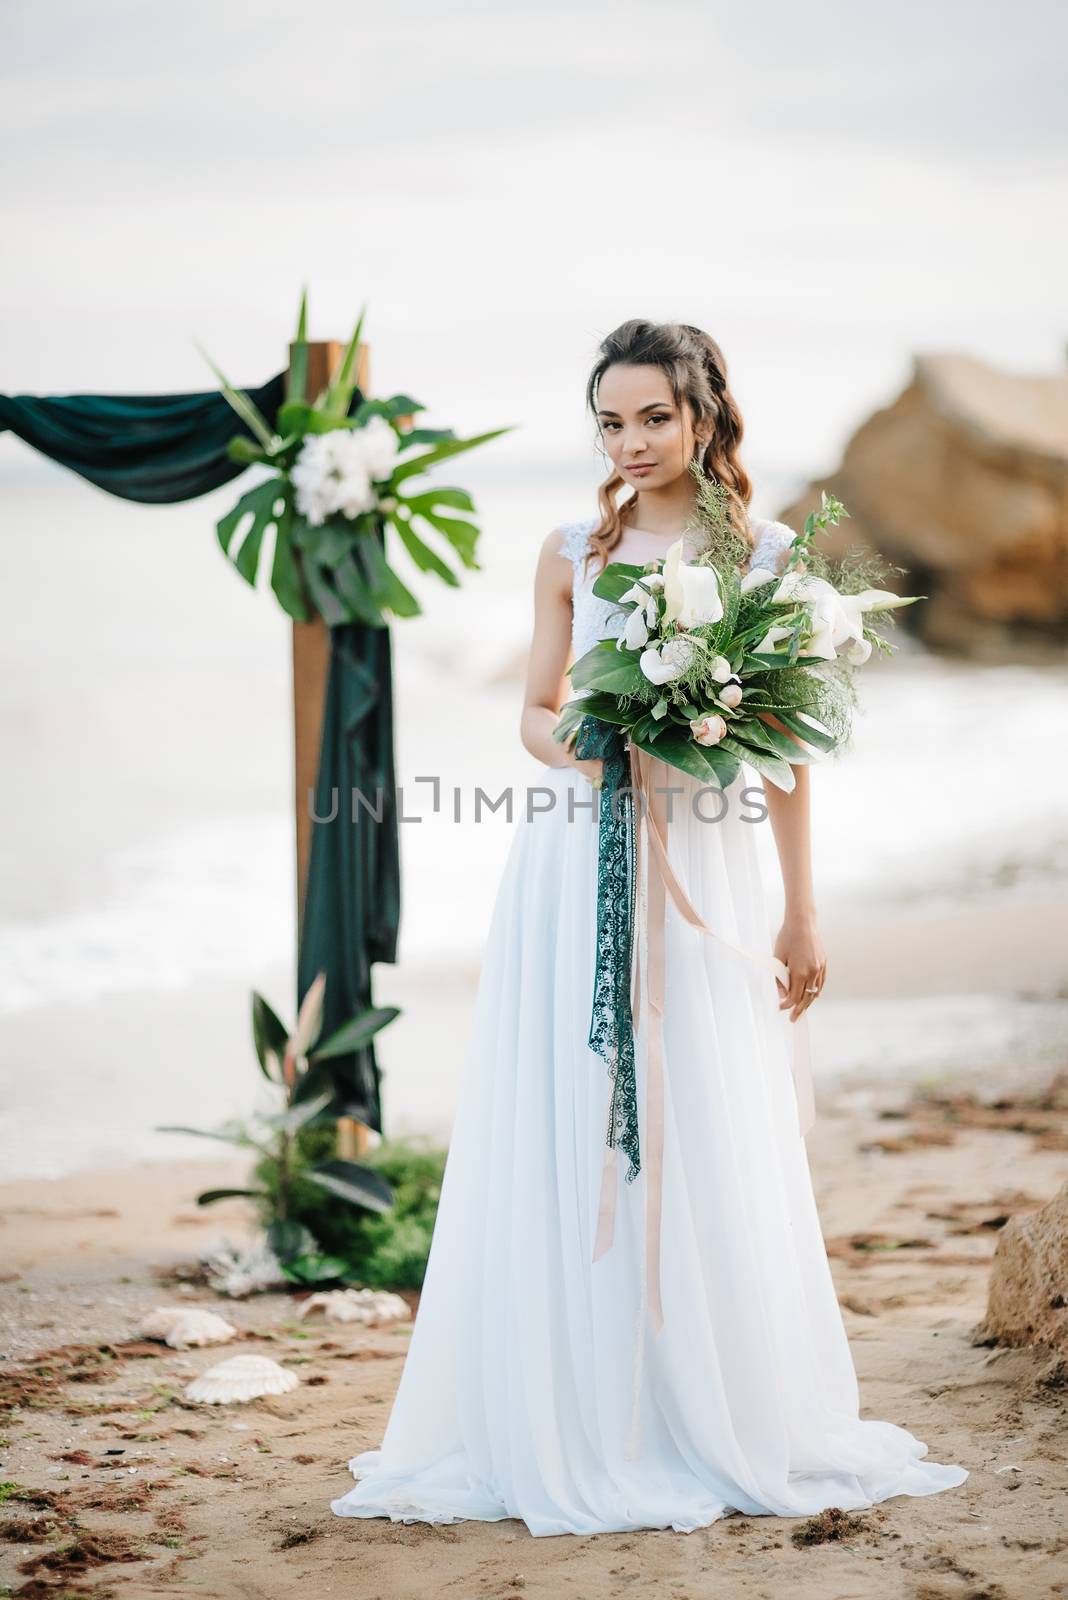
{"x": 863, "y": 303}
{"x": 121, "y": 1486}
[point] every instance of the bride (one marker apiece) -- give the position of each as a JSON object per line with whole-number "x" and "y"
{"x": 592, "y": 1354}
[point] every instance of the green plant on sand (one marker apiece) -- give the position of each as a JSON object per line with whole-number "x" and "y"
{"x": 286, "y": 1061}
{"x": 382, "y": 1249}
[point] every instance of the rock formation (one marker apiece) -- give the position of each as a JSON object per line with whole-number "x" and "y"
{"x": 963, "y": 481}
{"x": 1027, "y": 1300}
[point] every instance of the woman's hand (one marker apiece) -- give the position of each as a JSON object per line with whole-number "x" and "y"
{"x": 593, "y": 769}
{"x": 800, "y": 948}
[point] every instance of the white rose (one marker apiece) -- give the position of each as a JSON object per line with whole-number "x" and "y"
{"x": 691, "y": 594}
{"x": 720, "y": 669}
{"x": 731, "y": 695}
{"x": 708, "y": 730}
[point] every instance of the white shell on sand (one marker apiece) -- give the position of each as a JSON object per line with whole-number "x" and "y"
{"x": 184, "y": 1326}
{"x": 369, "y": 1306}
{"x": 239, "y": 1379}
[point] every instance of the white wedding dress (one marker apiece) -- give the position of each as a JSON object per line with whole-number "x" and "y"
{"x": 531, "y": 1370}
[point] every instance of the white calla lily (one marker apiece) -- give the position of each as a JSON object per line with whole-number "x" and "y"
{"x": 880, "y": 599}
{"x": 691, "y": 594}
{"x": 640, "y": 597}
{"x": 771, "y": 639}
{"x": 757, "y": 577}
{"x": 636, "y": 631}
{"x": 837, "y": 619}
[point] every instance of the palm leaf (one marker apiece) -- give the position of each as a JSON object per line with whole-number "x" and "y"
{"x": 463, "y": 536}
{"x": 297, "y": 378}
{"x": 353, "y": 589}
{"x": 710, "y": 764}
{"x": 606, "y": 668}
{"x": 388, "y": 590}
{"x": 285, "y": 573}
{"x": 424, "y": 558}
{"x": 797, "y": 723}
{"x": 768, "y": 765}
{"x": 339, "y": 394}
{"x": 616, "y": 579}
{"x": 756, "y": 731}
{"x": 253, "y": 419}
{"x": 440, "y": 452}
{"x": 261, "y": 505}
{"x": 325, "y": 596}
{"x": 457, "y": 499}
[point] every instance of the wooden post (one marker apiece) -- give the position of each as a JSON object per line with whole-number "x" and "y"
{"x": 311, "y": 665}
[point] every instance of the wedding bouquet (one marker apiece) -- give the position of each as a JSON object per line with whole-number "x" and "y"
{"x": 335, "y": 480}
{"x": 703, "y": 654}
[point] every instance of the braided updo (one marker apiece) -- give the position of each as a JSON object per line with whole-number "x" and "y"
{"x": 695, "y": 367}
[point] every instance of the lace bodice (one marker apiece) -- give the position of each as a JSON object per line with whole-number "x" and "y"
{"x": 594, "y": 618}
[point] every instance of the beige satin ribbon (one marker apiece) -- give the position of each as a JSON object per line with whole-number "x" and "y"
{"x": 660, "y": 883}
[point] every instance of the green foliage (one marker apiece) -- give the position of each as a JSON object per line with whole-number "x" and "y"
{"x": 812, "y": 698}
{"x": 716, "y": 540}
{"x": 291, "y": 1062}
{"x": 340, "y": 569}
{"x": 383, "y": 1250}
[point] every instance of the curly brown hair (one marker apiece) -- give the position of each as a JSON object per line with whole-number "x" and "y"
{"x": 695, "y": 368}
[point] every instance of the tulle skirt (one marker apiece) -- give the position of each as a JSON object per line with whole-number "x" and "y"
{"x": 531, "y": 1370}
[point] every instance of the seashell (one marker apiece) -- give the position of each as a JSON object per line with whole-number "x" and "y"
{"x": 239, "y": 1379}
{"x": 369, "y": 1306}
{"x": 184, "y": 1326}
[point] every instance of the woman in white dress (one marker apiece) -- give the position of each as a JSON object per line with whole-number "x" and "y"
{"x": 545, "y": 1379}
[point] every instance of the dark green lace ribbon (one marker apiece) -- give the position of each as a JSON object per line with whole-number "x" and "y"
{"x": 612, "y": 1024}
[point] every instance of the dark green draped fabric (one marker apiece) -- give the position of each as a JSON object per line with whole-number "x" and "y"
{"x": 159, "y": 449}
{"x": 154, "y": 448}
{"x": 352, "y": 900}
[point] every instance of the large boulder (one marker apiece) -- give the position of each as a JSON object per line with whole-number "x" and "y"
{"x": 963, "y": 481}
{"x": 1027, "y": 1301}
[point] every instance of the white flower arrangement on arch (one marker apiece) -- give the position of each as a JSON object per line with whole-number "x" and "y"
{"x": 337, "y": 478}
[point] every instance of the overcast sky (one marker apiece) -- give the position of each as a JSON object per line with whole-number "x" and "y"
{"x": 826, "y": 187}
